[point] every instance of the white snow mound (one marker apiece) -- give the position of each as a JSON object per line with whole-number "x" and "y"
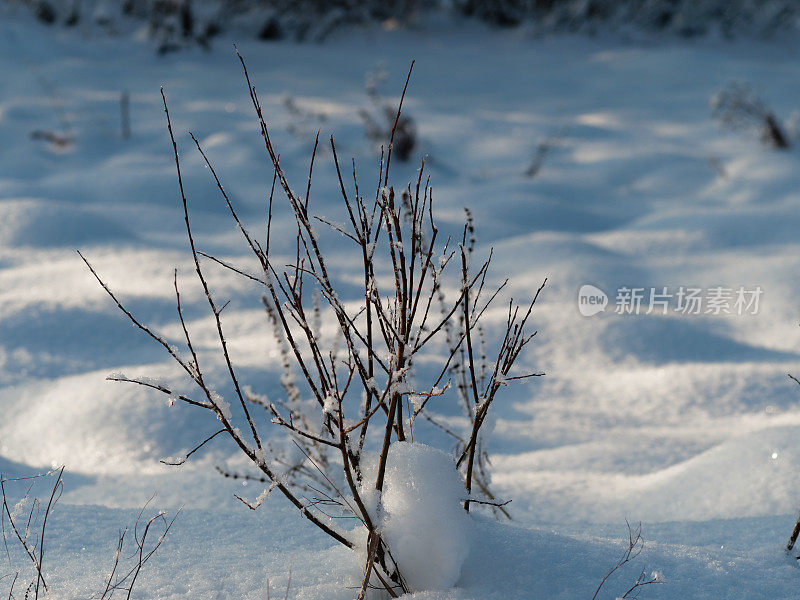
{"x": 424, "y": 521}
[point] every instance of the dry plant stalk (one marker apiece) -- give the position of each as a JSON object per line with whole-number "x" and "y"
{"x": 26, "y": 523}
{"x": 25, "y": 527}
{"x": 365, "y": 381}
{"x": 634, "y": 548}
{"x": 796, "y": 530}
{"x": 400, "y": 128}
{"x": 738, "y": 107}
{"x": 125, "y": 570}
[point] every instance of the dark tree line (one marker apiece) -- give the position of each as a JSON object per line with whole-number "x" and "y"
{"x": 175, "y": 22}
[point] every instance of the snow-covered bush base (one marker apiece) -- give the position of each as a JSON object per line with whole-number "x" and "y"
{"x": 421, "y": 514}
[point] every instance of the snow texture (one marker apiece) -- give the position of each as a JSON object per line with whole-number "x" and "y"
{"x": 687, "y": 423}
{"x": 424, "y": 520}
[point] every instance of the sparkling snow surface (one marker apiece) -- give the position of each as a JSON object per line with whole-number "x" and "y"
{"x": 687, "y": 423}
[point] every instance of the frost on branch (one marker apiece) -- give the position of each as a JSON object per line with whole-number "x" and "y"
{"x": 411, "y": 500}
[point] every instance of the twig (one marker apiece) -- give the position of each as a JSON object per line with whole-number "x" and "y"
{"x": 195, "y": 449}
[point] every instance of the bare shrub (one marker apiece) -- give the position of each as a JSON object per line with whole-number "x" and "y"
{"x": 543, "y": 149}
{"x": 135, "y": 547}
{"x": 387, "y": 122}
{"x": 738, "y": 107}
{"x": 410, "y": 307}
{"x": 24, "y": 525}
{"x": 58, "y": 140}
{"x": 631, "y": 552}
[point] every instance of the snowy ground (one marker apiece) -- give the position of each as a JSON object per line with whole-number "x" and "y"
{"x": 685, "y": 422}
